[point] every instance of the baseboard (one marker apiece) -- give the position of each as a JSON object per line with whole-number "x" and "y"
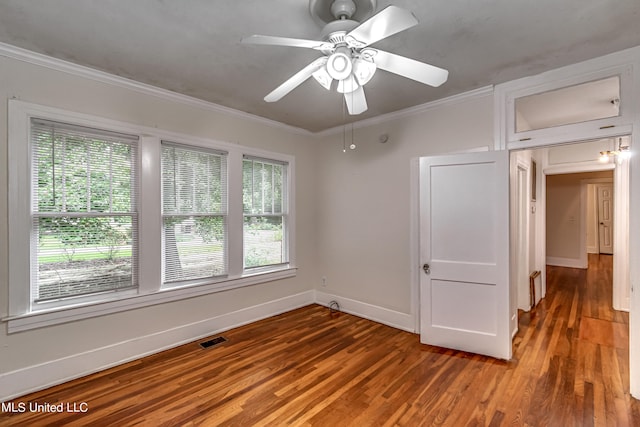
{"x": 23, "y": 381}
{"x": 566, "y": 262}
{"x": 20, "y": 382}
{"x": 376, "y": 313}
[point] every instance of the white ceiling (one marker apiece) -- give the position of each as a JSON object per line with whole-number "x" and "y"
{"x": 193, "y": 46}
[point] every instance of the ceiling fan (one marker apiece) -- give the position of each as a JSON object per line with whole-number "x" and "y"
{"x": 348, "y": 59}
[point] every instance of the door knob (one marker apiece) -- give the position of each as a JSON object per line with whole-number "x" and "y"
{"x": 426, "y": 268}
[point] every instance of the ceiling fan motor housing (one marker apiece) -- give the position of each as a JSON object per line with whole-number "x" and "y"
{"x": 324, "y": 11}
{"x": 336, "y": 30}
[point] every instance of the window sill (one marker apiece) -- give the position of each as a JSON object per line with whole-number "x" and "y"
{"x": 40, "y": 319}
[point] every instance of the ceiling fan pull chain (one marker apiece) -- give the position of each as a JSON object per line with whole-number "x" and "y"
{"x": 344, "y": 131}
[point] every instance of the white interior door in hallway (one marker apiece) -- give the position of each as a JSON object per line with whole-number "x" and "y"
{"x": 605, "y": 218}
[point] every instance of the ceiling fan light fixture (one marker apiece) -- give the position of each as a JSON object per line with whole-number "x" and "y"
{"x": 323, "y": 77}
{"x": 363, "y": 70}
{"x": 339, "y": 65}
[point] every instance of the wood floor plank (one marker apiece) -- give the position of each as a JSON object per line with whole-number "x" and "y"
{"x": 570, "y": 367}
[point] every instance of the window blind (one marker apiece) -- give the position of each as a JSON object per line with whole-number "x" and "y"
{"x": 194, "y": 207}
{"x": 263, "y": 196}
{"x": 84, "y": 192}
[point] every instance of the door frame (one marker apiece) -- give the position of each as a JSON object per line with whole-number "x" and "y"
{"x": 520, "y": 207}
{"x": 625, "y": 64}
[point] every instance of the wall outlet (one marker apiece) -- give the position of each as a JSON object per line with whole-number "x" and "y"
{"x": 323, "y": 280}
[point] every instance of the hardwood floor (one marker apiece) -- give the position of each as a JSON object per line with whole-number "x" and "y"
{"x": 305, "y": 367}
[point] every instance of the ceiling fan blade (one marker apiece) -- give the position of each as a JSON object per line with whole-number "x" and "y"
{"x": 296, "y": 80}
{"x": 286, "y": 41}
{"x": 409, "y": 68}
{"x": 388, "y": 21}
{"x": 356, "y": 101}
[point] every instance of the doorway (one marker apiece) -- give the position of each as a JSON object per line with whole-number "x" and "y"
{"x": 564, "y": 237}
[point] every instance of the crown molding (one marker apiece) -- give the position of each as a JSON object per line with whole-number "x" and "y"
{"x": 56, "y": 64}
{"x": 411, "y": 111}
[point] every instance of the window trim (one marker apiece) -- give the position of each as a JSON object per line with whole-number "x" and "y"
{"x": 150, "y": 291}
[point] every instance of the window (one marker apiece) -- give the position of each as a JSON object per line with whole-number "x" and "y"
{"x": 586, "y": 102}
{"x": 194, "y": 213}
{"x": 107, "y": 216}
{"x": 263, "y": 196}
{"x": 84, "y": 222}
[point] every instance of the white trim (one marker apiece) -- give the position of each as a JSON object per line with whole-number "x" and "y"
{"x": 37, "y": 377}
{"x": 517, "y": 171}
{"x": 40, "y": 319}
{"x": 594, "y": 166}
{"x": 566, "y": 262}
{"x": 41, "y": 60}
{"x": 587, "y": 132}
{"x": 414, "y": 239}
{"x": 411, "y": 111}
{"x": 395, "y": 319}
{"x": 621, "y": 239}
{"x": 541, "y": 223}
{"x": 634, "y": 272}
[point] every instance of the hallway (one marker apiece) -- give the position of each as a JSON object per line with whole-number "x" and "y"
{"x": 585, "y": 367}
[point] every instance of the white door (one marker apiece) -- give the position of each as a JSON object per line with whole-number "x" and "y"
{"x": 605, "y": 218}
{"x": 464, "y": 248}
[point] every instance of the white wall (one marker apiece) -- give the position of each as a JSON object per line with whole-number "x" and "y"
{"x": 25, "y": 350}
{"x": 364, "y": 198}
